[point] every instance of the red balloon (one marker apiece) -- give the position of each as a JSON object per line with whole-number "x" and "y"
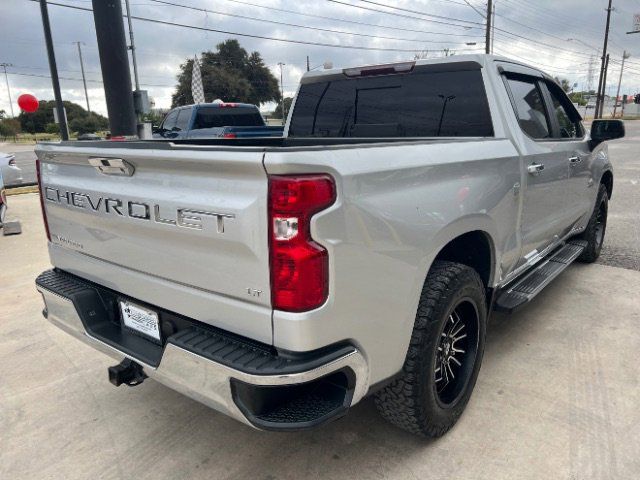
{"x": 28, "y": 102}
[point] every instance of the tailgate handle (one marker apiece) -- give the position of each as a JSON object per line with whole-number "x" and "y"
{"x": 112, "y": 166}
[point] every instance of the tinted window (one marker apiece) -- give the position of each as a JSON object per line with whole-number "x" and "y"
{"x": 419, "y": 104}
{"x": 567, "y": 116}
{"x": 213, "y": 117}
{"x": 170, "y": 120}
{"x": 183, "y": 119}
{"x": 529, "y": 107}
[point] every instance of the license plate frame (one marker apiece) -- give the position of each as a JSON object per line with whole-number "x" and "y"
{"x": 140, "y": 320}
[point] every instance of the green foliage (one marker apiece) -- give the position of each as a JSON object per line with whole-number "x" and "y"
{"x": 287, "y": 106}
{"x": 79, "y": 119}
{"x": 9, "y": 127}
{"x": 579, "y": 98}
{"x": 231, "y": 74}
{"x": 52, "y": 128}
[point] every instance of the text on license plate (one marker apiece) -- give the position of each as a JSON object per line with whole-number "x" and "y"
{"x": 140, "y": 319}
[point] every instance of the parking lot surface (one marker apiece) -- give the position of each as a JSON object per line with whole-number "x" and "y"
{"x": 557, "y": 396}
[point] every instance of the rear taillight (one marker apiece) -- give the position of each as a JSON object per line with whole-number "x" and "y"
{"x": 44, "y": 212}
{"x": 299, "y": 265}
{"x": 229, "y": 135}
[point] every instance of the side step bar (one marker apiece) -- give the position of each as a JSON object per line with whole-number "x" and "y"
{"x": 531, "y": 284}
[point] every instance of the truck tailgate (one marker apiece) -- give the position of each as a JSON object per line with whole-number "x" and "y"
{"x": 192, "y": 222}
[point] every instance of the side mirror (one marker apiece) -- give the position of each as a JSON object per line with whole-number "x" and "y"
{"x": 603, "y": 130}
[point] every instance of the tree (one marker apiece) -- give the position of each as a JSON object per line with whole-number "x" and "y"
{"x": 287, "y": 106}
{"x": 9, "y": 127}
{"x": 37, "y": 121}
{"x": 231, "y": 74}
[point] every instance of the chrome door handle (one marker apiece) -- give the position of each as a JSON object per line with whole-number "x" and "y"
{"x": 573, "y": 161}
{"x": 535, "y": 168}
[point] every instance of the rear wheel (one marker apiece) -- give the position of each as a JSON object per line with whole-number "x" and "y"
{"x": 444, "y": 355}
{"x": 596, "y": 228}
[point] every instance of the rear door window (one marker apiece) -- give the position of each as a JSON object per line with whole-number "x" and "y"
{"x": 170, "y": 120}
{"x": 529, "y": 106}
{"x": 184, "y": 116}
{"x": 424, "y": 103}
{"x": 216, "y": 117}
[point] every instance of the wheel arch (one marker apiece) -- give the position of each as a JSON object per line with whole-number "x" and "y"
{"x": 473, "y": 248}
{"x": 470, "y": 240}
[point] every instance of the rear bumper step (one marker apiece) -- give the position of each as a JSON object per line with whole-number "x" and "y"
{"x": 531, "y": 284}
{"x": 249, "y": 381}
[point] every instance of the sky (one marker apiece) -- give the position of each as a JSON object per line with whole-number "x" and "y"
{"x": 534, "y": 32}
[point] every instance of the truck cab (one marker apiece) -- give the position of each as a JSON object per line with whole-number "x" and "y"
{"x": 215, "y": 120}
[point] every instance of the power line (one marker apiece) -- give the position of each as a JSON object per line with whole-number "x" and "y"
{"x": 353, "y": 22}
{"x": 261, "y": 37}
{"x": 401, "y": 9}
{"x": 263, "y": 20}
{"x": 362, "y": 7}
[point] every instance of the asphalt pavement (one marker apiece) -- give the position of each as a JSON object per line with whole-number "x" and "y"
{"x": 557, "y": 396}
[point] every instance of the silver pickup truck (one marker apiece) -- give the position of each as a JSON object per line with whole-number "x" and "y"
{"x": 282, "y": 280}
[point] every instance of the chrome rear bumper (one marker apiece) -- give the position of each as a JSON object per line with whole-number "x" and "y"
{"x": 200, "y": 378}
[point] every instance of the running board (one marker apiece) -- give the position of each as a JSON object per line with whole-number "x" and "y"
{"x": 532, "y": 283}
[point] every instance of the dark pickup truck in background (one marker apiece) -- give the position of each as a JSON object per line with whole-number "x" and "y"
{"x": 215, "y": 120}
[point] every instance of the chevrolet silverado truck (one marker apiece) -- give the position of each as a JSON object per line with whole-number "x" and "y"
{"x": 281, "y": 281}
{"x": 215, "y": 120}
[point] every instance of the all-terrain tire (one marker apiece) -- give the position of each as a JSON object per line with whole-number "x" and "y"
{"x": 596, "y": 228}
{"x": 412, "y": 402}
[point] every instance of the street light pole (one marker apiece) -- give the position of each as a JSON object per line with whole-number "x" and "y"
{"x": 625, "y": 55}
{"x": 6, "y": 78}
{"x": 280, "y": 64}
{"x": 84, "y": 80}
{"x": 132, "y": 47}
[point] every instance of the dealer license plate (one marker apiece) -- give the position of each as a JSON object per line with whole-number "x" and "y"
{"x": 140, "y": 319}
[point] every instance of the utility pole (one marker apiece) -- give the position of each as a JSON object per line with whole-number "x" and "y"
{"x": 282, "y": 92}
{"x": 600, "y": 98}
{"x": 493, "y": 27}
{"x": 308, "y": 65}
{"x": 114, "y": 63}
{"x": 625, "y": 55}
{"x": 604, "y": 85}
{"x": 487, "y": 47}
{"x": 6, "y": 78}
{"x": 62, "y": 119}
{"x": 84, "y": 80}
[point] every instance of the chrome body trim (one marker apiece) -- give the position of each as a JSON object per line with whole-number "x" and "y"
{"x": 197, "y": 377}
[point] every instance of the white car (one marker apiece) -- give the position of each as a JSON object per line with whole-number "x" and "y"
{"x": 3, "y": 200}
{"x": 10, "y": 171}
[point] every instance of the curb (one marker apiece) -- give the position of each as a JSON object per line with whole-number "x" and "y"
{"x": 21, "y": 190}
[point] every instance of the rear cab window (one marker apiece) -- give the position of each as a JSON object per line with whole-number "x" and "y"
{"x": 444, "y": 100}
{"x": 216, "y": 117}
